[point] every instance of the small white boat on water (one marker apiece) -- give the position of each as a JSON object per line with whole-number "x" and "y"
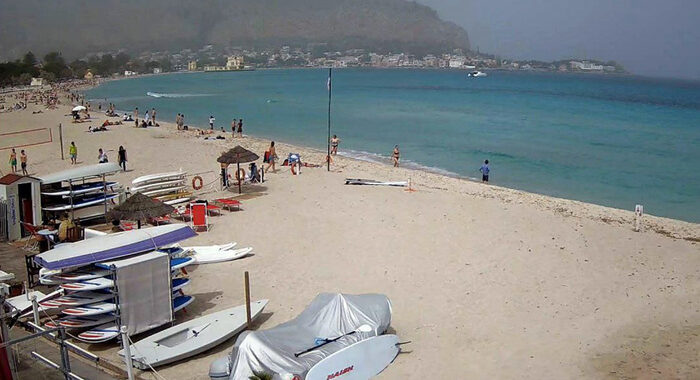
{"x": 192, "y": 337}
{"x": 476, "y": 74}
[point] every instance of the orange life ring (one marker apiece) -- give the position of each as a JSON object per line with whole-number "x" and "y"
{"x": 240, "y": 174}
{"x": 197, "y": 182}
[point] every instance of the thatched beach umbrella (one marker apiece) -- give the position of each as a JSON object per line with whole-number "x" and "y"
{"x": 238, "y": 155}
{"x": 138, "y": 207}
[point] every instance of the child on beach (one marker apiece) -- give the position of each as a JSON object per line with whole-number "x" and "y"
{"x": 211, "y": 122}
{"x": 13, "y": 160}
{"x": 23, "y": 160}
{"x": 395, "y": 156}
{"x": 73, "y": 151}
{"x": 485, "y": 171}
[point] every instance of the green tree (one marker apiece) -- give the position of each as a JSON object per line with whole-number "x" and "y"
{"x": 121, "y": 60}
{"x": 54, "y": 64}
{"x": 29, "y": 59}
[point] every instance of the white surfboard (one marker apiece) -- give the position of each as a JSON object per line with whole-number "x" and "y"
{"x": 80, "y": 203}
{"x": 100, "y": 334}
{"x": 157, "y": 185}
{"x": 81, "y": 275}
{"x": 211, "y": 256}
{"x": 77, "y": 299}
{"x": 80, "y": 189}
{"x": 219, "y": 247}
{"x": 81, "y": 322}
{"x": 94, "y": 284}
{"x": 163, "y": 191}
{"x": 371, "y": 182}
{"x": 91, "y": 309}
{"x": 158, "y": 177}
{"x": 359, "y": 361}
{"x": 178, "y": 201}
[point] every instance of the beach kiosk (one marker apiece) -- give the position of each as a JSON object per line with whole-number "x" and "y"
{"x": 83, "y": 192}
{"x": 22, "y": 203}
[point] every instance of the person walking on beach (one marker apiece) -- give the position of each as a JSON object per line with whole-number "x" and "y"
{"x": 13, "y": 160}
{"x": 395, "y": 156}
{"x": 211, "y": 122}
{"x": 102, "y": 157}
{"x": 122, "y": 157}
{"x": 271, "y": 157}
{"x": 240, "y": 128}
{"x": 334, "y": 144}
{"x": 23, "y": 162}
{"x": 73, "y": 152}
{"x": 484, "y": 169}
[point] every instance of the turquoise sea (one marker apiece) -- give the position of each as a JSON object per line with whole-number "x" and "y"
{"x": 615, "y": 141}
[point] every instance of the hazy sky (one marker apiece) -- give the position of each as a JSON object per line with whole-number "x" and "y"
{"x": 649, "y": 37}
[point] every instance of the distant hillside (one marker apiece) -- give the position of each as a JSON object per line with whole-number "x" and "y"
{"x": 76, "y": 27}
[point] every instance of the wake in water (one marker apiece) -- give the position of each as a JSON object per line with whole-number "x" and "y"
{"x": 166, "y": 95}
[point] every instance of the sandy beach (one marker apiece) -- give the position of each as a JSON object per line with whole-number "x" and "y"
{"x": 485, "y": 281}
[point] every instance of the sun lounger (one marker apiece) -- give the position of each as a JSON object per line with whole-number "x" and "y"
{"x": 200, "y": 216}
{"x": 229, "y": 203}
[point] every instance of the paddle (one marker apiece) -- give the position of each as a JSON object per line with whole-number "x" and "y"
{"x": 363, "y": 328}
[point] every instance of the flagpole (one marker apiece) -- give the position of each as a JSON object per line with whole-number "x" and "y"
{"x": 328, "y": 141}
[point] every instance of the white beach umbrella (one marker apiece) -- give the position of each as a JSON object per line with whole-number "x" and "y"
{"x": 79, "y": 108}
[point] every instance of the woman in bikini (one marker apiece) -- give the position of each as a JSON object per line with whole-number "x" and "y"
{"x": 334, "y": 144}
{"x": 395, "y": 156}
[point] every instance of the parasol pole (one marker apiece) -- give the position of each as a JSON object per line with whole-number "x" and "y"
{"x": 328, "y": 140}
{"x": 238, "y": 174}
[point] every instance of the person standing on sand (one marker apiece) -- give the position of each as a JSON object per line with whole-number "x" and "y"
{"x": 240, "y": 128}
{"x": 23, "y": 161}
{"x": 73, "y": 152}
{"x": 146, "y": 117}
{"x": 13, "y": 160}
{"x": 395, "y": 156}
{"x": 271, "y": 157}
{"x": 211, "y": 122}
{"x": 233, "y": 128}
{"x": 136, "y": 115}
{"x": 122, "y": 157}
{"x": 177, "y": 121}
{"x": 484, "y": 169}
{"x": 153, "y": 116}
{"x": 334, "y": 144}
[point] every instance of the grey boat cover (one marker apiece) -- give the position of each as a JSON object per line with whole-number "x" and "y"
{"x": 329, "y": 316}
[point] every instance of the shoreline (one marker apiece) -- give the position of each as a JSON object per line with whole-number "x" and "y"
{"x": 684, "y": 230}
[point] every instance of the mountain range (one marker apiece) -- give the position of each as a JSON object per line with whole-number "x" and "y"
{"x": 77, "y": 27}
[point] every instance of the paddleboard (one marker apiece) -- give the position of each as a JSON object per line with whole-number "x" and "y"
{"x": 209, "y": 257}
{"x": 91, "y": 309}
{"x": 81, "y": 322}
{"x": 77, "y": 299}
{"x": 100, "y": 334}
{"x": 178, "y": 201}
{"x": 83, "y": 202}
{"x": 81, "y": 275}
{"x": 158, "y": 177}
{"x": 179, "y": 283}
{"x": 359, "y": 361}
{"x": 180, "y": 263}
{"x": 181, "y": 302}
{"x": 157, "y": 185}
{"x": 157, "y": 192}
{"x": 220, "y": 247}
{"x": 94, "y": 284}
{"x": 355, "y": 181}
{"x": 79, "y": 189}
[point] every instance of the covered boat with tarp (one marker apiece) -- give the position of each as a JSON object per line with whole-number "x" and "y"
{"x": 330, "y": 323}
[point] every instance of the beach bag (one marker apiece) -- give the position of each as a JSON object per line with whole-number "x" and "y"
{"x": 266, "y": 156}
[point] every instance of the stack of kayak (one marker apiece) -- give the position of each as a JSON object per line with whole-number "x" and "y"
{"x": 170, "y": 187}
{"x": 86, "y": 200}
{"x": 89, "y": 305}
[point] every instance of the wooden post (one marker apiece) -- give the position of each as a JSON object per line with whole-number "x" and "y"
{"x": 247, "y": 298}
{"x": 60, "y": 134}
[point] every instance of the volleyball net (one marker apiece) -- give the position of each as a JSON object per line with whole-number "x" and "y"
{"x": 21, "y": 139}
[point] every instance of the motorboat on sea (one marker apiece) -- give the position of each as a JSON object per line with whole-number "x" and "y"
{"x": 476, "y": 74}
